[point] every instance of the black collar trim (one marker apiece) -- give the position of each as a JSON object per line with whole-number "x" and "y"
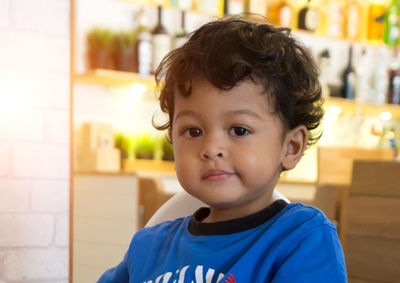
{"x": 198, "y": 228}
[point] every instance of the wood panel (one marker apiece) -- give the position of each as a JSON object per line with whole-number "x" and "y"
{"x": 142, "y": 165}
{"x": 102, "y": 205}
{"x": 373, "y": 258}
{"x": 363, "y": 218}
{"x": 151, "y": 197}
{"x": 373, "y": 222}
{"x": 376, "y": 178}
{"x": 335, "y": 164}
{"x": 363, "y": 280}
{"x": 115, "y": 78}
{"x": 84, "y": 274}
{"x": 99, "y": 255}
{"x": 105, "y": 219}
{"x": 122, "y": 230}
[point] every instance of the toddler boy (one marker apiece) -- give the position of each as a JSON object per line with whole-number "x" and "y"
{"x": 244, "y": 102}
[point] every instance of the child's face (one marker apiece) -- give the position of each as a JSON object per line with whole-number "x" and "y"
{"x": 229, "y": 148}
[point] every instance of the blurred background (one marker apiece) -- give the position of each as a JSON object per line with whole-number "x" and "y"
{"x": 82, "y": 168}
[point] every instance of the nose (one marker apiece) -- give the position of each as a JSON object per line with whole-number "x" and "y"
{"x": 213, "y": 148}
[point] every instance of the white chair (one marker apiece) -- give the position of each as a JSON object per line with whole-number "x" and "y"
{"x": 182, "y": 204}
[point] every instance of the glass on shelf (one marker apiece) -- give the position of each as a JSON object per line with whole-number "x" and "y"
{"x": 375, "y": 21}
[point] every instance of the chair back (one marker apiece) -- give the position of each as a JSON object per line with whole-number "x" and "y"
{"x": 372, "y": 245}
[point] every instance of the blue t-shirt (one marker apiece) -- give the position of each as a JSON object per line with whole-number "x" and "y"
{"x": 282, "y": 243}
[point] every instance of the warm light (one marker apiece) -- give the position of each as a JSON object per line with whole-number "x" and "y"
{"x": 385, "y": 116}
{"x": 335, "y": 110}
{"x": 15, "y": 99}
{"x": 139, "y": 88}
{"x": 9, "y": 104}
{"x": 135, "y": 92}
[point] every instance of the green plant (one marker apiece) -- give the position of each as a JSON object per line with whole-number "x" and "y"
{"x": 167, "y": 149}
{"x": 145, "y": 146}
{"x": 125, "y": 144}
{"x": 99, "y": 38}
{"x": 124, "y": 41}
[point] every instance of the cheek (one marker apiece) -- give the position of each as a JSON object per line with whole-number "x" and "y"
{"x": 186, "y": 175}
{"x": 184, "y": 165}
{"x": 257, "y": 164}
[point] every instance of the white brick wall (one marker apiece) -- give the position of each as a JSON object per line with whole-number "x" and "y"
{"x": 62, "y": 229}
{"x": 46, "y": 161}
{"x": 30, "y": 128}
{"x": 4, "y": 6}
{"x": 26, "y": 230}
{"x": 55, "y": 124}
{"x": 34, "y": 141}
{"x": 15, "y": 195}
{"x": 49, "y": 16}
{"x": 50, "y": 196}
{"x": 5, "y": 158}
{"x": 35, "y": 264}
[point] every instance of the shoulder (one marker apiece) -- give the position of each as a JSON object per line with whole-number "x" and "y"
{"x": 298, "y": 213}
{"x": 308, "y": 241}
{"x": 163, "y": 229}
{"x": 298, "y": 221}
{"x": 152, "y": 239}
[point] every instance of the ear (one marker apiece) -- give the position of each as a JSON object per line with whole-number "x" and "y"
{"x": 294, "y": 146}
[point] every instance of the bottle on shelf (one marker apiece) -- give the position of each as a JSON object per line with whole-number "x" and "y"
{"x": 363, "y": 78}
{"x": 391, "y": 24}
{"x": 285, "y": 14}
{"x": 353, "y": 20}
{"x": 181, "y": 36}
{"x": 324, "y": 64}
{"x": 174, "y": 3}
{"x": 335, "y": 19}
{"x": 281, "y": 13}
{"x": 160, "y": 2}
{"x": 143, "y": 47}
{"x": 213, "y": 7}
{"x": 308, "y": 18}
{"x": 375, "y": 21}
{"x": 349, "y": 77}
{"x": 257, "y": 6}
{"x": 394, "y": 80}
{"x": 233, "y": 7}
{"x": 161, "y": 41}
{"x": 185, "y": 4}
{"x": 380, "y": 76}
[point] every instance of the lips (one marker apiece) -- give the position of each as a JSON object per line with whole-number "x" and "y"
{"x": 214, "y": 175}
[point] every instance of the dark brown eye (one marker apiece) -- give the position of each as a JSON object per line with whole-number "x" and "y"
{"x": 193, "y": 132}
{"x": 239, "y": 131}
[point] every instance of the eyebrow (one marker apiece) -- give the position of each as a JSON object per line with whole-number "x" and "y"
{"x": 246, "y": 112}
{"x": 185, "y": 113}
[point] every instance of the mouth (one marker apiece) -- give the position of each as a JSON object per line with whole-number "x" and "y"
{"x": 214, "y": 175}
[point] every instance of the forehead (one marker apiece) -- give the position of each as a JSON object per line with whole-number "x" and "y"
{"x": 204, "y": 95}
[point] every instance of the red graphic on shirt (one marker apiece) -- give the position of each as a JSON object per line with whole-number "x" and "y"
{"x": 231, "y": 279}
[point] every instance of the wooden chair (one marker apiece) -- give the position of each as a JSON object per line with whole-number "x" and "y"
{"x": 372, "y": 227}
{"x": 152, "y": 195}
{"x": 183, "y": 204}
{"x": 335, "y": 165}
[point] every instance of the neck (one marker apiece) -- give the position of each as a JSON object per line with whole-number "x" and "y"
{"x": 218, "y": 214}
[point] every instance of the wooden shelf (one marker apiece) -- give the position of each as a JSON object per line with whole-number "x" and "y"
{"x": 168, "y": 6}
{"x": 134, "y": 166}
{"x": 119, "y": 78}
{"x": 115, "y": 78}
{"x": 321, "y": 37}
{"x": 365, "y": 109}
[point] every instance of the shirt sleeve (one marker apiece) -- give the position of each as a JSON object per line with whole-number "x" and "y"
{"x": 316, "y": 257}
{"x": 116, "y": 274}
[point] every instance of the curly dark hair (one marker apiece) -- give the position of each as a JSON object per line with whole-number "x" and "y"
{"x": 233, "y": 49}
